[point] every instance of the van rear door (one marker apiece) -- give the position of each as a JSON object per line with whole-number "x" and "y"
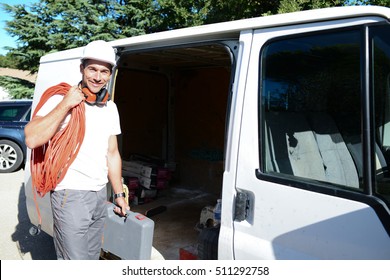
{"x": 311, "y": 169}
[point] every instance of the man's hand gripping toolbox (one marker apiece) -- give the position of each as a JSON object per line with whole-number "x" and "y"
{"x": 128, "y": 238}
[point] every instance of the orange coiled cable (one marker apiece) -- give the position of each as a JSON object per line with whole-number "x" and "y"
{"x": 50, "y": 162}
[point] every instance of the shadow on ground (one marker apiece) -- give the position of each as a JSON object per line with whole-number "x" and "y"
{"x": 41, "y": 247}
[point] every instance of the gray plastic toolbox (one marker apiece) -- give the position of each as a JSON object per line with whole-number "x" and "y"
{"x": 128, "y": 238}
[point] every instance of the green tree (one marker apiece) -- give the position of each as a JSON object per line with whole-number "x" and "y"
{"x": 174, "y": 14}
{"x": 384, "y": 3}
{"x": 17, "y": 88}
{"x": 223, "y": 10}
{"x": 50, "y": 25}
{"x": 287, "y": 6}
{"x": 8, "y": 61}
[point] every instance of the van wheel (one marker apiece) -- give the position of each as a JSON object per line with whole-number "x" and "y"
{"x": 208, "y": 244}
{"x": 11, "y": 156}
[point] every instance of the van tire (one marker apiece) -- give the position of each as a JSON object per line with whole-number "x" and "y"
{"x": 208, "y": 244}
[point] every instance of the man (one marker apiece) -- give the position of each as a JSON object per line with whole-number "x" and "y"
{"x": 79, "y": 199}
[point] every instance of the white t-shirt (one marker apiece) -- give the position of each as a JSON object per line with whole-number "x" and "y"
{"x": 89, "y": 170}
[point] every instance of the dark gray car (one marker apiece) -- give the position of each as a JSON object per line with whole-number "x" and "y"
{"x": 14, "y": 115}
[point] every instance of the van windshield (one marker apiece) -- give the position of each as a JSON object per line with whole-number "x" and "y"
{"x": 312, "y": 115}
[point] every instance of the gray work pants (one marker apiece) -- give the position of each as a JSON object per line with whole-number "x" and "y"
{"x": 78, "y": 218}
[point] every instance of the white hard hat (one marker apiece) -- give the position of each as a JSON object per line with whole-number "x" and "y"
{"x": 99, "y": 50}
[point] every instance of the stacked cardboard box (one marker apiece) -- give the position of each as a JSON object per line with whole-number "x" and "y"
{"x": 145, "y": 177}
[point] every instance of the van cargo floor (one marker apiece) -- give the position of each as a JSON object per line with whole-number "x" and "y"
{"x": 175, "y": 227}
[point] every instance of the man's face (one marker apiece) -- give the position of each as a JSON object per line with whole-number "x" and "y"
{"x": 96, "y": 74}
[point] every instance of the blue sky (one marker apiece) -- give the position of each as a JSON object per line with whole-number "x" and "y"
{"x": 5, "y": 39}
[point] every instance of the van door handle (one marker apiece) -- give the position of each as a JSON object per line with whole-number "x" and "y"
{"x": 241, "y": 206}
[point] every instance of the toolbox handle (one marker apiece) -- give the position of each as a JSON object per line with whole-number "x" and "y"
{"x": 138, "y": 216}
{"x": 113, "y": 204}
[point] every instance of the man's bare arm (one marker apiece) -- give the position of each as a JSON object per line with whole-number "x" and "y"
{"x": 41, "y": 129}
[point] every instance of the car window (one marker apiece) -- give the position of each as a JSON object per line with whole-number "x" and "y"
{"x": 28, "y": 116}
{"x": 12, "y": 112}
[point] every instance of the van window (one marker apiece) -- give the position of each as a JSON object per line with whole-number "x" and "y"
{"x": 311, "y": 114}
{"x": 311, "y": 96}
{"x": 380, "y": 40}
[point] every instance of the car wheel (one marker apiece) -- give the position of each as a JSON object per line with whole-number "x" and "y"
{"x": 11, "y": 156}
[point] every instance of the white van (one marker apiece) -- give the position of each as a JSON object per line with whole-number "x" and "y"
{"x": 285, "y": 118}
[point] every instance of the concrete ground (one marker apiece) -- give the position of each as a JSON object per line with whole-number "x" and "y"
{"x": 15, "y": 241}
{"x": 174, "y": 228}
